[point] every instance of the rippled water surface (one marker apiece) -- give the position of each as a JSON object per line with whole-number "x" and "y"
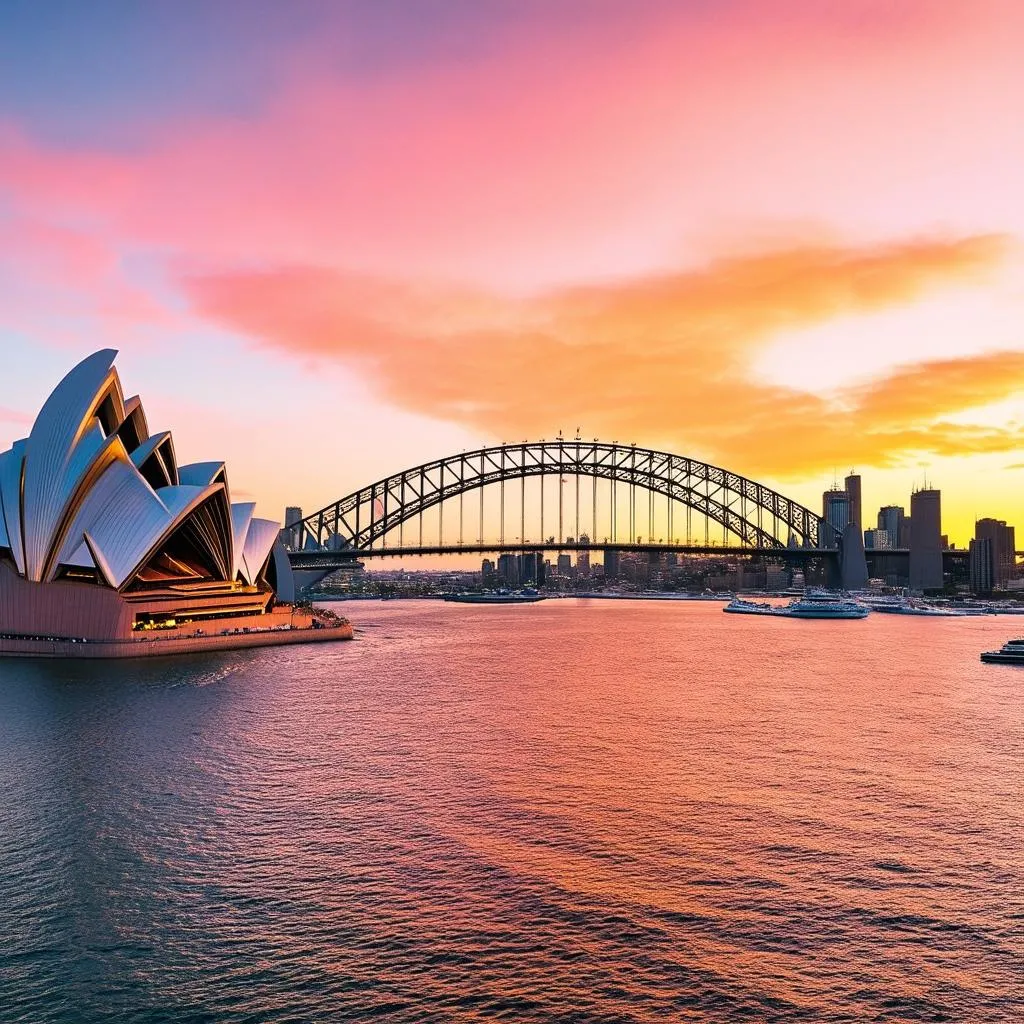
{"x": 588, "y": 811}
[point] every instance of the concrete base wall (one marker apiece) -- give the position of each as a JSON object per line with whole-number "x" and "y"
{"x": 63, "y": 608}
{"x": 150, "y": 645}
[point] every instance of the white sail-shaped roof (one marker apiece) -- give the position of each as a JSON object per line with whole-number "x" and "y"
{"x": 151, "y": 452}
{"x": 200, "y": 473}
{"x": 241, "y": 517}
{"x": 91, "y": 488}
{"x": 121, "y": 517}
{"x": 258, "y": 542}
{"x": 65, "y": 441}
{"x": 10, "y": 495}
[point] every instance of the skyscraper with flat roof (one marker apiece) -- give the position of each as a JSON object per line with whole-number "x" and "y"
{"x": 835, "y": 509}
{"x": 926, "y": 540}
{"x": 1000, "y": 551}
{"x": 852, "y": 484}
{"x": 891, "y": 519}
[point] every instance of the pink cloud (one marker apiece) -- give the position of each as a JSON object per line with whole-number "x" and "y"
{"x": 558, "y": 155}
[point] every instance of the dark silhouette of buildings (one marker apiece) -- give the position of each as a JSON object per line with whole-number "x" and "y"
{"x": 926, "y": 540}
{"x": 998, "y": 551}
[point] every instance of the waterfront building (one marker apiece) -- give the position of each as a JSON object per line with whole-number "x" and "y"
{"x": 926, "y": 540}
{"x": 583, "y": 559}
{"x": 852, "y": 485}
{"x": 981, "y": 565}
{"x": 611, "y": 564}
{"x": 105, "y": 537}
{"x": 1001, "y": 550}
{"x": 290, "y": 534}
{"x": 876, "y": 539}
{"x": 891, "y": 519}
{"x": 508, "y": 570}
{"x": 531, "y": 568}
{"x": 835, "y": 509}
{"x": 487, "y": 572}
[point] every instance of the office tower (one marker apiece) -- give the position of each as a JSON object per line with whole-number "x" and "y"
{"x": 291, "y": 534}
{"x": 1002, "y": 548}
{"x": 875, "y": 539}
{"x": 487, "y": 572}
{"x": 835, "y": 509}
{"x": 583, "y": 558}
{"x": 891, "y": 519}
{"x": 508, "y": 570}
{"x": 852, "y": 483}
{"x": 611, "y": 564}
{"x": 981, "y": 564}
{"x": 925, "y": 540}
{"x": 904, "y": 533}
{"x": 531, "y": 568}
{"x": 564, "y": 564}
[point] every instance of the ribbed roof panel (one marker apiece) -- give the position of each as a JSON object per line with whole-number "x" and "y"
{"x": 241, "y": 517}
{"x": 123, "y": 519}
{"x": 10, "y": 496}
{"x": 64, "y": 441}
{"x": 258, "y": 542}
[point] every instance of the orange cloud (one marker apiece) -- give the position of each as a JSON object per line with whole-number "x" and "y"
{"x": 663, "y": 357}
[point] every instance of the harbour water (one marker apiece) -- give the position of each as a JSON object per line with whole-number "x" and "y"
{"x": 574, "y": 810}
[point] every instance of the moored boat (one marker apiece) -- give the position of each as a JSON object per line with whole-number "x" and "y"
{"x": 497, "y": 597}
{"x": 823, "y": 605}
{"x": 909, "y": 607}
{"x": 741, "y": 606}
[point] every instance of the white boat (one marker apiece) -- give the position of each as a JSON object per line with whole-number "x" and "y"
{"x": 497, "y": 597}
{"x": 911, "y": 607}
{"x": 741, "y": 606}
{"x": 823, "y": 605}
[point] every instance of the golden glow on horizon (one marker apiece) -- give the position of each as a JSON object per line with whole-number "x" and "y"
{"x": 780, "y": 236}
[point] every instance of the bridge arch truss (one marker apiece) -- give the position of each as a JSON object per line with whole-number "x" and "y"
{"x": 759, "y": 517}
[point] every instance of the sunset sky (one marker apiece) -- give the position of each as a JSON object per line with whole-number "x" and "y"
{"x": 335, "y": 239}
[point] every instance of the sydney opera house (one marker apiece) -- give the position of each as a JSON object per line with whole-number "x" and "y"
{"x": 109, "y": 547}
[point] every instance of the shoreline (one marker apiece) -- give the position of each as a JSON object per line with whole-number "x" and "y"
{"x": 65, "y": 647}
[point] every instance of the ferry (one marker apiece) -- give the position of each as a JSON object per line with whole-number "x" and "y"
{"x": 821, "y": 605}
{"x": 497, "y": 597}
{"x": 741, "y": 606}
{"x": 1011, "y": 653}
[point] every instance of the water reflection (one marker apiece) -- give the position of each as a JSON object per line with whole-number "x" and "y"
{"x": 626, "y": 811}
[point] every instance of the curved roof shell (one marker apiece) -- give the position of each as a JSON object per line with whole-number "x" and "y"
{"x": 67, "y": 437}
{"x": 92, "y": 488}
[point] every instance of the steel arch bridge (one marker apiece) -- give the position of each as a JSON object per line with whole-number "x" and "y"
{"x": 361, "y": 522}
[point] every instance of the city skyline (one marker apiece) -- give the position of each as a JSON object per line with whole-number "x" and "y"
{"x": 498, "y": 220}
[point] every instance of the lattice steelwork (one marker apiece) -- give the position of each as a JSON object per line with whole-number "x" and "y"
{"x": 758, "y": 516}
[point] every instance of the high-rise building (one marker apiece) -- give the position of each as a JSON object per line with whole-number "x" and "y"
{"x": 891, "y": 519}
{"x": 487, "y": 572}
{"x": 611, "y": 564}
{"x": 583, "y": 558}
{"x": 981, "y": 564}
{"x": 875, "y": 539}
{"x": 1002, "y": 549}
{"x": 835, "y": 509}
{"x": 852, "y": 484}
{"x": 531, "y": 568}
{"x": 926, "y": 540}
{"x": 564, "y": 564}
{"x": 508, "y": 570}
{"x": 291, "y": 534}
